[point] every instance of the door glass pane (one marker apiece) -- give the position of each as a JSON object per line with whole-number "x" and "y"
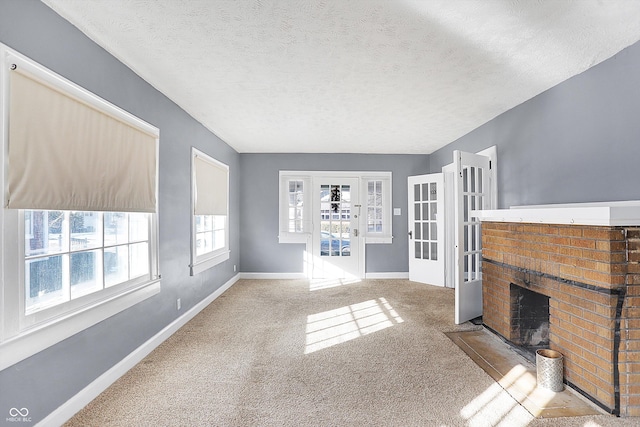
{"x": 345, "y": 248}
{"x": 416, "y": 214}
{"x": 425, "y": 192}
{"x": 434, "y": 191}
{"x": 418, "y": 250}
{"x": 416, "y": 192}
{"x": 346, "y": 193}
{"x": 465, "y": 207}
{"x": 465, "y": 184}
{"x": 473, "y": 238}
{"x": 425, "y": 250}
{"x": 434, "y": 210}
{"x": 425, "y": 211}
{"x": 425, "y": 229}
{"x": 473, "y": 267}
{"x": 466, "y": 268}
{"x": 472, "y": 178}
{"x": 466, "y": 238}
{"x": 434, "y": 231}
{"x": 434, "y": 251}
{"x": 480, "y": 173}
{"x": 418, "y": 235}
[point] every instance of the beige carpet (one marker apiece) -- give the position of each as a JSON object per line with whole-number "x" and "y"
{"x": 294, "y": 353}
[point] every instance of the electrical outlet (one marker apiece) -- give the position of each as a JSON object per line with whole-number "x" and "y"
{"x": 178, "y": 304}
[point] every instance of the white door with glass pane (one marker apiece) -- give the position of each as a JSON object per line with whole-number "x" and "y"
{"x": 426, "y": 229}
{"x": 335, "y": 233}
{"x": 472, "y": 187}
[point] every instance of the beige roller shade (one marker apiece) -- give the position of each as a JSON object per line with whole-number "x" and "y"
{"x": 65, "y": 154}
{"x": 211, "y": 187}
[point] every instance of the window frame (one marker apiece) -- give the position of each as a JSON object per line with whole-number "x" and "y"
{"x": 284, "y": 234}
{"x": 385, "y": 236}
{"x": 200, "y": 263}
{"x": 23, "y": 335}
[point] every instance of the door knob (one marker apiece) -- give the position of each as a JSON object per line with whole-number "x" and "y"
{"x": 411, "y": 234}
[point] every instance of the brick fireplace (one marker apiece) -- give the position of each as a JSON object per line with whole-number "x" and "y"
{"x": 590, "y": 276}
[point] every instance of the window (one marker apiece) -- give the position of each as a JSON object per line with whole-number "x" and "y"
{"x": 79, "y": 226}
{"x": 210, "y": 195}
{"x": 378, "y": 208}
{"x": 69, "y": 255}
{"x": 374, "y": 207}
{"x": 295, "y": 208}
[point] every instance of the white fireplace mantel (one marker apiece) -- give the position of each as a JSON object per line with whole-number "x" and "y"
{"x": 625, "y": 213}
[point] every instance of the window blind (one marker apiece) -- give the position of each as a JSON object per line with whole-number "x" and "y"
{"x": 211, "y": 187}
{"x": 65, "y": 154}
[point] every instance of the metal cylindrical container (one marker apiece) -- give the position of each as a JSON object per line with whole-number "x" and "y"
{"x": 549, "y": 367}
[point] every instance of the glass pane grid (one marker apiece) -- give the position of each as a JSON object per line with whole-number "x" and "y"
{"x": 425, "y": 221}
{"x": 335, "y": 226}
{"x": 72, "y": 254}
{"x": 374, "y": 207}
{"x": 473, "y": 199}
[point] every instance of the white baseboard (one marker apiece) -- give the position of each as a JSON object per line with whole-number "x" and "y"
{"x": 388, "y": 275}
{"x": 283, "y": 276}
{"x": 100, "y": 384}
{"x": 273, "y": 276}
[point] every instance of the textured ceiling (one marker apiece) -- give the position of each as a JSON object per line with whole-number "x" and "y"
{"x": 358, "y": 76}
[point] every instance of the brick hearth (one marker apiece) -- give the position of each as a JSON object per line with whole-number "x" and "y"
{"x": 591, "y": 275}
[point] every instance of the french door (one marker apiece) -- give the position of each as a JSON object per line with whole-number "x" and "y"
{"x": 336, "y": 249}
{"x": 472, "y": 190}
{"x": 426, "y": 229}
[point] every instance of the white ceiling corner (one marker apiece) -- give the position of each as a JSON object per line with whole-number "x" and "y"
{"x": 359, "y": 76}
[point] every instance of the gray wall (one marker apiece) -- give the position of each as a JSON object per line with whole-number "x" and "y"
{"x": 576, "y": 142}
{"x": 46, "y": 380}
{"x": 259, "y": 248}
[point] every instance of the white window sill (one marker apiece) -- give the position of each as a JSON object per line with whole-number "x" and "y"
{"x": 36, "y": 339}
{"x": 200, "y": 266}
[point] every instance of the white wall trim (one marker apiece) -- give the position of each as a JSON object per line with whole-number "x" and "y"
{"x": 388, "y": 275}
{"x": 68, "y": 409}
{"x": 272, "y": 276}
{"x": 286, "y": 276}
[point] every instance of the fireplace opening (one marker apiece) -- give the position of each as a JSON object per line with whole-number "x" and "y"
{"x": 529, "y": 319}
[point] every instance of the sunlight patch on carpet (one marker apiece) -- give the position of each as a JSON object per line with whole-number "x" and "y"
{"x": 346, "y": 323}
{"x": 317, "y": 284}
{"x": 493, "y": 406}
